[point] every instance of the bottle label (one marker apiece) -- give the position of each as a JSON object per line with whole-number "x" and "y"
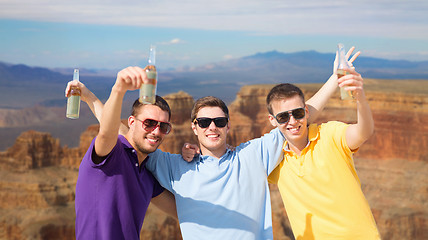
{"x": 148, "y": 93}
{"x": 151, "y": 74}
{"x": 73, "y": 106}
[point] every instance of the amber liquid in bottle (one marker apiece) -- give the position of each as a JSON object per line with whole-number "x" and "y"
{"x": 344, "y": 95}
{"x": 342, "y": 71}
{"x": 148, "y": 90}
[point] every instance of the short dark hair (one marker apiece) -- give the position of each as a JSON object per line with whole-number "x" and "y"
{"x": 208, "y": 101}
{"x": 160, "y": 102}
{"x": 283, "y": 91}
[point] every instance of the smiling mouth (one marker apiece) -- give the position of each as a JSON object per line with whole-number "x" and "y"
{"x": 294, "y": 129}
{"x": 152, "y": 140}
{"x": 213, "y": 135}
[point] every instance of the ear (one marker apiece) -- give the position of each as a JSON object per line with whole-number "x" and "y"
{"x": 307, "y": 112}
{"x": 227, "y": 127}
{"x": 272, "y": 120}
{"x": 131, "y": 121}
{"x": 194, "y": 129}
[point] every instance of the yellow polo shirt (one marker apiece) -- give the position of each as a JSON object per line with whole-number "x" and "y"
{"x": 321, "y": 190}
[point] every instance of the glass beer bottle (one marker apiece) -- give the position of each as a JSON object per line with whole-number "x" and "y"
{"x": 148, "y": 90}
{"x": 73, "y": 101}
{"x": 343, "y": 69}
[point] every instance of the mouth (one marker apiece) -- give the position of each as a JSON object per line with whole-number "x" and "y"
{"x": 213, "y": 136}
{"x": 294, "y": 130}
{"x": 152, "y": 140}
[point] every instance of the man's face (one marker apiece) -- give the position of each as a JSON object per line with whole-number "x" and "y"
{"x": 294, "y": 129}
{"x": 147, "y": 141}
{"x": 212, "y": 138}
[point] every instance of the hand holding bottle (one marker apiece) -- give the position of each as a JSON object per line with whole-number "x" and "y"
{"x": 343, "y": 68}
{"x": 347, "y": 56}
{"x": 130, "y": 78}
{"x": 352, "y": 82}
{"x": 85, "y": 94}
{"x": 73, "y": 99}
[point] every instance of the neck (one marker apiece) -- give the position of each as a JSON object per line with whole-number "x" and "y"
{"x": 217, "y": 153}
{"x": 298, "y": 145}
{"x": 141, "y": 156}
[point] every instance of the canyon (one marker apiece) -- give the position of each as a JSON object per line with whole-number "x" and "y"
{"x": 38, "y": 174}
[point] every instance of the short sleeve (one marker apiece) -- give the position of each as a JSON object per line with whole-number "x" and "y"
{"x": 157, "y": 188}
{"x": 162, "y": 165}
{"x": 266, "y": 149}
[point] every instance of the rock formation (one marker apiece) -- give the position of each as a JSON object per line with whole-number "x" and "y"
{"x": 38, "y": 175}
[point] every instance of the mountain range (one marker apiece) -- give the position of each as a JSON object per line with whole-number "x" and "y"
{"x": 24, "y": 86}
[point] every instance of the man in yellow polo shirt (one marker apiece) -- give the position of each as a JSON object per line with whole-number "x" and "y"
{"x": 317, "y": 180}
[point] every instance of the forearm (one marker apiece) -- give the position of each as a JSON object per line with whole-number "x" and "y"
{"x": 360, "y": 132}
{"x": 365, "y": 119}
{"x": 317, "y": 102}
{"x": 95, "y": 105}
{"x": 109, "y": 123}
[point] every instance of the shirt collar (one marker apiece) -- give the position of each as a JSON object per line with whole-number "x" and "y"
{"x": 202, "y": 158}
{"x": 313, "y": 134}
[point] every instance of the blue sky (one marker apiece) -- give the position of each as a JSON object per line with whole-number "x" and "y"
{"x": 115, "y": 34}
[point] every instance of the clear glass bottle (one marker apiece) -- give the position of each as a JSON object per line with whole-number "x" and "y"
{"x": 148, "y": 90}
{"x": 73, "y": 101}
{"x": 342, "y": 70}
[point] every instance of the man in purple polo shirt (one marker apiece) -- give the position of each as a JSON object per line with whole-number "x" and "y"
{"x": 114, "y": 188}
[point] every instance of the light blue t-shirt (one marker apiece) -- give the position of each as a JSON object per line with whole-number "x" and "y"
{"x": 226, "y": 198}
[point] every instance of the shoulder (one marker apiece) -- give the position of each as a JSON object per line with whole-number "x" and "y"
{"x": 332, "y": 126}
{"x": 270, "y": 138}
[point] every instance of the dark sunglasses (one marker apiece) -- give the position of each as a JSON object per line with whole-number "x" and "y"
{"x": 284, "y": 117}
{"x": 219, "y": 122}
{"x": 150, "y": 125}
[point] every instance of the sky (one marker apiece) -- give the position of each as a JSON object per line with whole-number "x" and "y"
{"x": 107, "y": 34}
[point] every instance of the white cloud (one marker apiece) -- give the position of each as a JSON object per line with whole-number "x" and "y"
{"x": 227, "y": 57}
{"x": 171, "y": 42}
{"x": 394, "y": 18}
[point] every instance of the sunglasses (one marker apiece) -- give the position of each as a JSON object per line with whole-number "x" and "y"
{"x": 284, "y": 117}
{"x": 219, "y": 122}
{"x": 150, "y": 125}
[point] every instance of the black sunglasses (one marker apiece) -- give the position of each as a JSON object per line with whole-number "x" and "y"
{"x": 219, "y": 122}
{"x": 284, "y": 117}
{"x": 150, "y": 125}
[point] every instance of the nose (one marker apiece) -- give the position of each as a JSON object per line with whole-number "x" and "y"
{"x": 212, "y": 125}
{"x": 292, "y": 119}
{"x": 157, "y": 131}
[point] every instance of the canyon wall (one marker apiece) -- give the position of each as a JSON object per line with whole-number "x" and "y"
{"x": 38, "y": 175}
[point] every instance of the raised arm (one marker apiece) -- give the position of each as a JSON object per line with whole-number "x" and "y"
{"x": 129, "y": 78}
{"x": 317, "y": 102}
{"x": 93, "y": 102}
{"x": 357, "y": 134}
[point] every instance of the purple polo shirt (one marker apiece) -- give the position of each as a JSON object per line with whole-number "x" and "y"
{"x": 112, "y": 197}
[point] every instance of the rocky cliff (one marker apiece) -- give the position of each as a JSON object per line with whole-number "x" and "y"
{"x": 38, "y": 175}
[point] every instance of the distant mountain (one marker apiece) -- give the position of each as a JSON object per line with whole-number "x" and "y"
{"x": 24, "y": 86}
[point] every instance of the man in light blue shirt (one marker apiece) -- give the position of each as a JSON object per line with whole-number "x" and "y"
{"x": 221, "y": 194}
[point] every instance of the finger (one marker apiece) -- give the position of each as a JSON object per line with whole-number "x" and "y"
{"x": 67, "y": 89}
{"x": 348, "y": 54}
{"x": 354, "y": 57}
{"x": 135, "y": 80}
